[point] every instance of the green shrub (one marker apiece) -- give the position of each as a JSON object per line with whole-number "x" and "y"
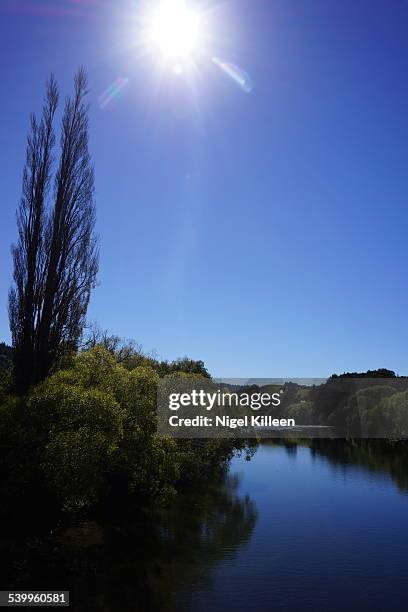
{"x": 87, "y": 435}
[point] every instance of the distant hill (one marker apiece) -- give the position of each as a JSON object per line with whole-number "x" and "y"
{"x": 380, "y": 373}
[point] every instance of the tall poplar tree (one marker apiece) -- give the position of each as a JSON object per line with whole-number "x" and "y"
{"x": 56, "y": 257}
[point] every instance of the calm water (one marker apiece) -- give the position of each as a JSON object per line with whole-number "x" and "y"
{"x": 328, "y": 536}
{"x": 296, "y": 528}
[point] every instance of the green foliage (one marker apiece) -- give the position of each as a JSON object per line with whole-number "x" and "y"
{"x": 395, "y": 413}
{"x": 6, "y": 351}
{"x": 302, "y": 412}
{"x": 6, "y": 370}
{"x": 86, "y": 436}
{"x": 362, "y": 412}
{"x": 6, "y": 383}
{"x": 80, "y": 429}
{"x": 369, "y": 405}
{"x": 147, "y": 463}
{"x": 131, "y": 356}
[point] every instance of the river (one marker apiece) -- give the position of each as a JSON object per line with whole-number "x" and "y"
{"x": 329, "y": 535}
{"x": 320, "y": 526}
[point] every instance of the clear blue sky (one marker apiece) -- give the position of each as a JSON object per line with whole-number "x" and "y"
{"x": 265, "y": 233}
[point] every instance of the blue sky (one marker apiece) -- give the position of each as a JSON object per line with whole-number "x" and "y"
{"x": 264, "y": 233}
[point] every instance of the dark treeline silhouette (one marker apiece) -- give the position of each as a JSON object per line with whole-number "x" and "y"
{"x": 380, "y": 373}
{"x": 55, "y": 259}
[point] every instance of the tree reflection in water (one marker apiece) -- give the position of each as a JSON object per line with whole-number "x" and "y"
{"x": 389, "y": 457}
{"x": 142, "y": 564}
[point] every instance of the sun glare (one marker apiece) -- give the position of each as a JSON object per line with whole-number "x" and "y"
{"x": 175, "y": 29}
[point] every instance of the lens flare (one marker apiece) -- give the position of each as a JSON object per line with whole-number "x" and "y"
{"x": 112, "y": 92}
{"x": 239, "y": 76}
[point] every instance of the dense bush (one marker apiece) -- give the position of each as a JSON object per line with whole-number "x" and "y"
{"x": 86, "y": 436}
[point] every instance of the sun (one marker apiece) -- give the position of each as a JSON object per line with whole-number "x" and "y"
{"x": 175, "y": 29}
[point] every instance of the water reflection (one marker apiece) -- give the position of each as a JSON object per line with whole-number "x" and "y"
{"x": 377, "y": 456}
{"x": 139, "y": 565}
{"x": 389, "y": 458}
